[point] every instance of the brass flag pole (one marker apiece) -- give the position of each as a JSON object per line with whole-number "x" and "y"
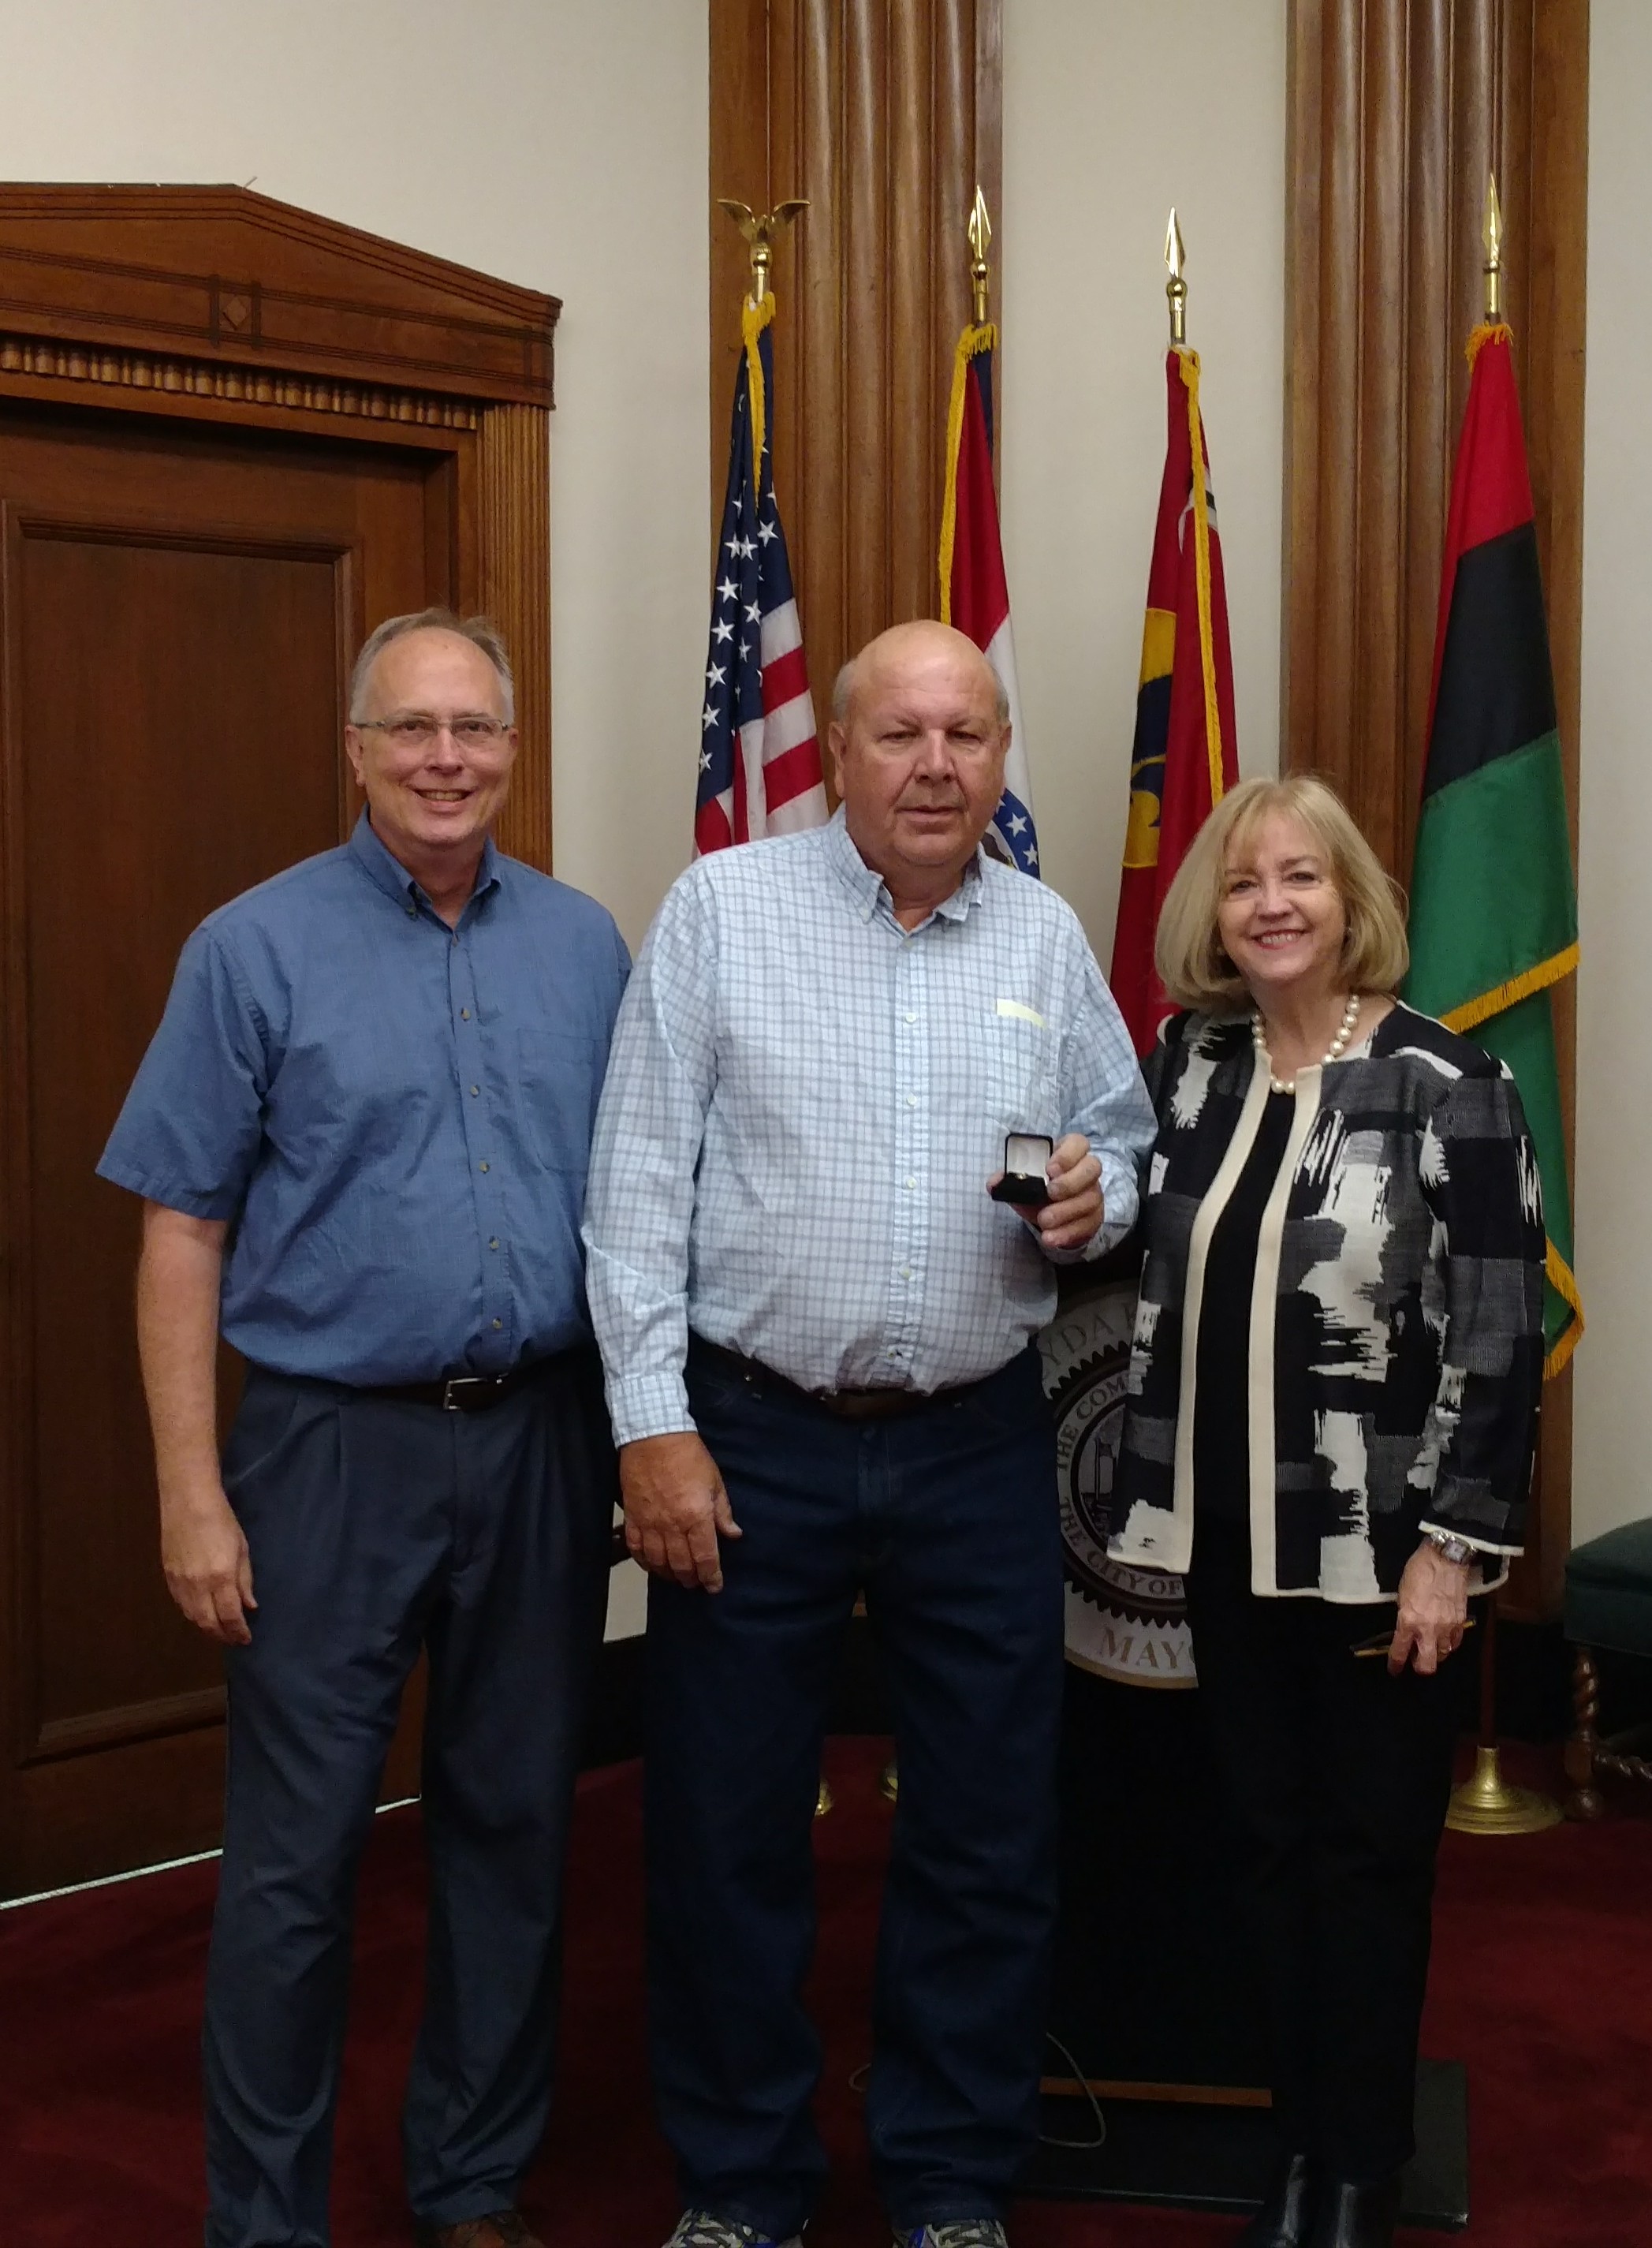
{"x": 1176, "y": 287}
{"x": 762, "y": 230}
{"x": 1486, "y": 1803}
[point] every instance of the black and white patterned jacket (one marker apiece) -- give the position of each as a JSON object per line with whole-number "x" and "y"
{"x": 1394, "y": 1378}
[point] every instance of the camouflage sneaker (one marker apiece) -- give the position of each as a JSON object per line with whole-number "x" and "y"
{"x": 697, "y": 2228}
{"x": 955, "y": 2232}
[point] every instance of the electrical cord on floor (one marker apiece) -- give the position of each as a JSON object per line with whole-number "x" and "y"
{"x": 1077, "y": 2146}
{"x": 858, "y": 2076}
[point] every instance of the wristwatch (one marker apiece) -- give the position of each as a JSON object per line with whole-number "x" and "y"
{"x": 1451, "y": 1549}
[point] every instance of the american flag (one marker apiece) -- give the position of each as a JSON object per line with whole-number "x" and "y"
{"x": 760, "y": 772}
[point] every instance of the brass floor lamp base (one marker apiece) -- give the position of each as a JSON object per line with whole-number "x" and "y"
{"x": 1488, "y": 1804}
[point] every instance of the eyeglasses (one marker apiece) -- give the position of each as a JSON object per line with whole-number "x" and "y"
{"x": 418, "y": 730}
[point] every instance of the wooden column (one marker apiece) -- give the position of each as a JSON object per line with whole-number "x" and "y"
{"x": 1397, "y": 109}
{"x": 513, "y": 462}
{"x": 885, "y": 118}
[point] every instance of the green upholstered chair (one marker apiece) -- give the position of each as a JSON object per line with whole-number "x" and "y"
{"x": 1608, "y": 1605}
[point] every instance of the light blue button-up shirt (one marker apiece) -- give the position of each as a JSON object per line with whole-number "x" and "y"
{"x": 804, "y": 1103}
{"x": 395, "y": 1116}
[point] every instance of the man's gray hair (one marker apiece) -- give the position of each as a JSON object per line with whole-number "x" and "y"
{"x": 480, "y": 632}
{"x": 843, "y": 694}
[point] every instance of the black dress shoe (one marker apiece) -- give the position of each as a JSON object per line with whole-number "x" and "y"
{"x": 1357, "y": 2215}
{"x": 1283, "y": 2219}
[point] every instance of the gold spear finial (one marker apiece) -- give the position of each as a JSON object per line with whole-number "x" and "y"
{"x": 980, "y": 239}
{"x": 1176, "y": 287}
{"x": 761, "y": 229}
{"x": 1491, "y": 235}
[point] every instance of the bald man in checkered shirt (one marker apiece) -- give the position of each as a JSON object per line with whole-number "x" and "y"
{"x": 817, "y": 1326}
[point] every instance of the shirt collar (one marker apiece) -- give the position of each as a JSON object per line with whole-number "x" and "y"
{"x": 392, "y": 878}
{"x": 868, "y": 888}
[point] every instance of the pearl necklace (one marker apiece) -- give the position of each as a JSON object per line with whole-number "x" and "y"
{"x": 1333, "y": 1052}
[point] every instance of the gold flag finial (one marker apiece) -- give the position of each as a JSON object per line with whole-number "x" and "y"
{"x": 980, "y": 239}
{"x": 1491, "y": 235}
{"x": 1176, "y": 287}
{"x": 761, "y": 229}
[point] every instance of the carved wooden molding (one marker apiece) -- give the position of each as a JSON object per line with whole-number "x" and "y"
{"x": 885, "y": 118}
{"x": 43, "y": 360}
{"x": 225, "y": 274}
{"x": 1397, "y": 109}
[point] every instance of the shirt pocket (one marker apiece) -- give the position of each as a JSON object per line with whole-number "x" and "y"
{"x": 1019, "y": 1074}
{"x": 559, "y": 1079}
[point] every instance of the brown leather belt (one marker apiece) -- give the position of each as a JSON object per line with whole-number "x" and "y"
{"x": 842, "y": 1404}
{"x": 462, "y": 1393}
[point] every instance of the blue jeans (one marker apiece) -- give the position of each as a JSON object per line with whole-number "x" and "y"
{"x": 946, "y": 1516}
{"x": 377, "y": 1527}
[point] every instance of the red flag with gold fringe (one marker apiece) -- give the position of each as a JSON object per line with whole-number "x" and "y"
{"x": 1183, "y": 760}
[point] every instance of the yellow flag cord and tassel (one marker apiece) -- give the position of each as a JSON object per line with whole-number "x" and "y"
{"x": 1189, "y": 363}
{"x": 973, "y": 340}
{"x": 754, "y": 318}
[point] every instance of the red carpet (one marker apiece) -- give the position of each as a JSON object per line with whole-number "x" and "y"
{"x": 1542, "y": 1983}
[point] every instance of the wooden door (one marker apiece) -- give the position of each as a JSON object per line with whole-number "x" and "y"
{"x": 180, "y": 606}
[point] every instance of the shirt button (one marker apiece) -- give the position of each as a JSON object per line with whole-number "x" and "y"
{"x": 481, "y": 1166}
{"x": 412, "y": 912}
{"x": 464, "y": 1014}
{"x": 912, "y": 1019}
{"x": 906, "y": 1272}
{"x": 499, "y": 1322}
{"x": 494, "y": 1243}
{"x": 911, "y": 1183}
{"x": 912, "y": 1101}
{"x": 474, "y": 1091}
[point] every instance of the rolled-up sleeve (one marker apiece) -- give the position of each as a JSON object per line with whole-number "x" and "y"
{"x": 1103, "y": 1097}
{"x": 188, "y": 1133}
{"x": 640, "y": 1205}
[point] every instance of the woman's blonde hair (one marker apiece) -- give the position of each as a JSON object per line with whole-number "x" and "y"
{"x": 1188, "y": 951}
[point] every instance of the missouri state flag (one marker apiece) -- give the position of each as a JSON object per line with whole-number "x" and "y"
{"x": 760, "y": 772}
{"x": 1183, "y": 760}
{"x": 1493, "y": 915}
{"x": 974, "y": 590}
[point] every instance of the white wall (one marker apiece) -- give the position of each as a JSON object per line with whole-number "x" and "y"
{"x": 553, "y": 143}
{"x": 1112, "y": 113}
{"x": 1614, "y": 1202}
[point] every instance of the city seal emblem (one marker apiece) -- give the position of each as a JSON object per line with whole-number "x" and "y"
{"x": 1126, "y": 1624}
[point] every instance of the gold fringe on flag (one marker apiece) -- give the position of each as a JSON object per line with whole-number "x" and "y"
{"x": 1554, "y": 969}
{"x": 1189, "y": 363}
{"x": 974, "y": 340}
{"x": 1561, "y": 1278}
{"x": 1558, "y": 966}
{"x": 1488, "y": 331}
{"x": 754, "y": 318}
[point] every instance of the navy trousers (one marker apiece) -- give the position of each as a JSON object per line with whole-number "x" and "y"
{"x": 377, "y": 1527}
{"x": 947, "y": 1517}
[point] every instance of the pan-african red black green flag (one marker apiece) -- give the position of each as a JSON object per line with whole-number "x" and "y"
{"x": 1494, "y": 923}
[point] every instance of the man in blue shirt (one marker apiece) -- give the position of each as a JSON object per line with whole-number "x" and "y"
{"x": 816, "y": 1322}
{"x": 361, "y": 1136}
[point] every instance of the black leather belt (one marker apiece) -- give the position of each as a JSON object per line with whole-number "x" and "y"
{"x": 843, "y": 1404}
{"x": 462, "y": 1393}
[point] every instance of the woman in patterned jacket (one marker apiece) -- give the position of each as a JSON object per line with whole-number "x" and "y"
{"x": 1333, "y": 1398}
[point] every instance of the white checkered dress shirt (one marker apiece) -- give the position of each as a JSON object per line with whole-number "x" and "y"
{"x": 804, "y": 1105}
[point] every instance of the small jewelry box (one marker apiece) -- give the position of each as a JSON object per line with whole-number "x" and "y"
{"x": 1027, "y": 1156}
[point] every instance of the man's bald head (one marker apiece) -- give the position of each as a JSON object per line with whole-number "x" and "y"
{"x": 919, "y": 733}
{"x": 900, "y": 645}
